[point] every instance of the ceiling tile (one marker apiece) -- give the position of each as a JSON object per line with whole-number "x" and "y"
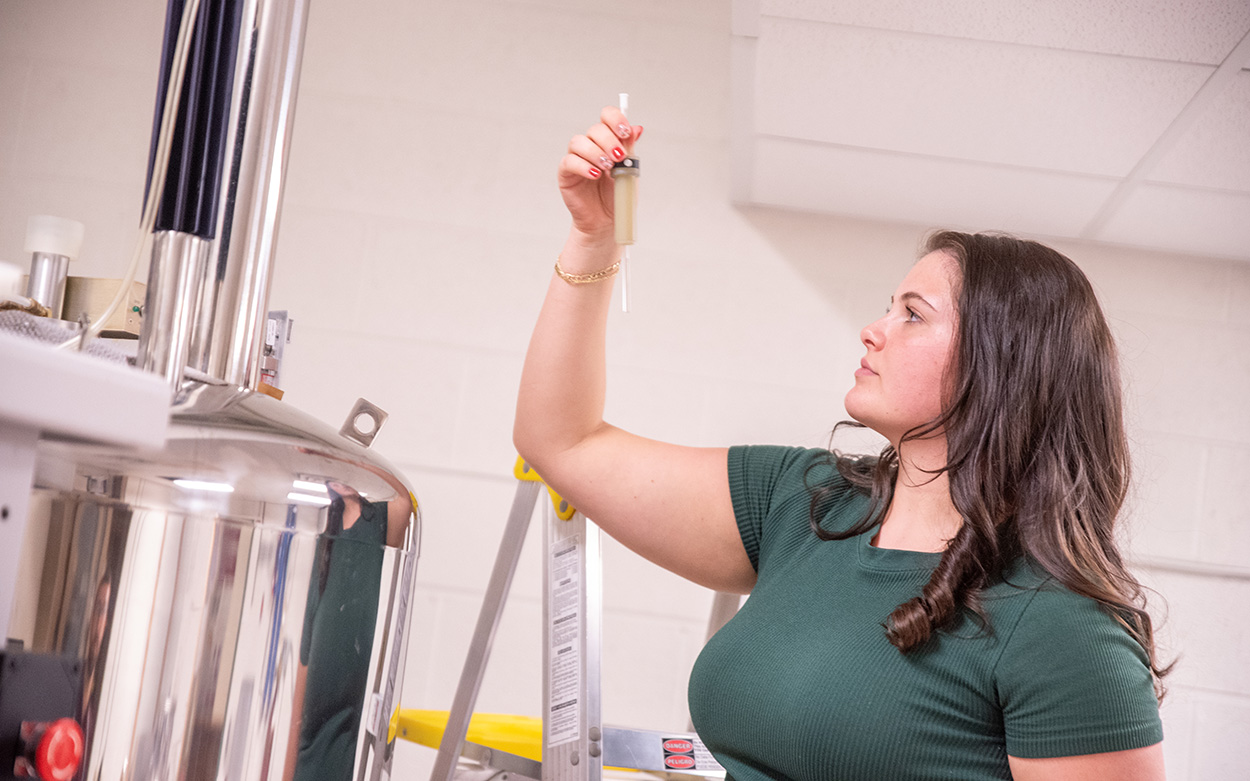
{"x": 1215, "y": 151}
{"x": 926, "y": 191}
{"x": 1187, "y": 220}
{"x": 990, "y": 102}
{"x": 1201, "y": 31}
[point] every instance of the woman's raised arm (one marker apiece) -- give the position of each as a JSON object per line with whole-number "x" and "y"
{"x": 668, "y": 503}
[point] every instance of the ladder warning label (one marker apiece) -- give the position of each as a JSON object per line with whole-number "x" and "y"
{"x": 564, "y": 634}
{"x": 688, "y": 753}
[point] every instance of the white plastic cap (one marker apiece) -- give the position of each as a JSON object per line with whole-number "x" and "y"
{"x": 10, "y": 279}
{"x": 54, "y": 235}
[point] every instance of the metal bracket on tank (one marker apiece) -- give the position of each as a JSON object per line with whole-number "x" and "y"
{"x": 363, "y": 422}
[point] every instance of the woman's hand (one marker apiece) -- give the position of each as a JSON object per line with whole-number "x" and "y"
{"x": 584, "y": 173}
{"x": 670, "y": 504}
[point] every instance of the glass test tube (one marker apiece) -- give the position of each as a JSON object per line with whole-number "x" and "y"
{"x": 625, "y": 204}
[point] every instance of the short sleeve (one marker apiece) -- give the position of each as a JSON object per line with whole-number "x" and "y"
{"x": 770, "y": 480}
{"x": 1071, "y": 680}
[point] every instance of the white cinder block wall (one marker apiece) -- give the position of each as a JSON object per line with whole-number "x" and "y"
{"x": 420, "y": 225}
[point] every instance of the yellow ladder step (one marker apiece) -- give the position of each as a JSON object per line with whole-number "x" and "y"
{"x": 520, "y": 735}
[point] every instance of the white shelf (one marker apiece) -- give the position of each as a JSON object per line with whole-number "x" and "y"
{"x": 49, "y": 392}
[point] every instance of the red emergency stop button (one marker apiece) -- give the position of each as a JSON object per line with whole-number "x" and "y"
{"x": 60, "y": 751}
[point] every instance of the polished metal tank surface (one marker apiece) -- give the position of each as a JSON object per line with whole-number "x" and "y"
{"x": 238, "y": 600}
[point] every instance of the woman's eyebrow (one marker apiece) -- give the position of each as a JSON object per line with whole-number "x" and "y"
{"x": 910, "y": 296}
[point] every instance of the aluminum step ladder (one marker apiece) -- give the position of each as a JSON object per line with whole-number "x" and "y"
{"x": 575, "y": 745}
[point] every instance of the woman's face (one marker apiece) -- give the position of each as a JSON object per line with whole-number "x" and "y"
{"x": 899, "y": 384}
{"x": 342, "y": 489}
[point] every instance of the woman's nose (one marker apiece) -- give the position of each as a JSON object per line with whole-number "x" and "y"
{"x": 871, "y": 336}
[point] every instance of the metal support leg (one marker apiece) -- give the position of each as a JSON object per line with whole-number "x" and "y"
{"x": 484, "y": 635}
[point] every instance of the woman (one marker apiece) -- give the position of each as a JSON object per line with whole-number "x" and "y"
{"x": 955, "y": 608}
{"x": 340, "y": 619}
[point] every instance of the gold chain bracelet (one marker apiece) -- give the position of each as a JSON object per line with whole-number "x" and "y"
{"x": 585, "y": 279}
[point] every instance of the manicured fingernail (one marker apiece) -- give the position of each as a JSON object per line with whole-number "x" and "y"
{"x": 604, "y": 162}
{"x": 618, "y": 153}
{"x": 622, "y": 130}
{"x": 595, "y": 173}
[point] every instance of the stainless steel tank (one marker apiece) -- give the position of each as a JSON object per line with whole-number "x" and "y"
{"x": 234, "y": 598}
{"x": 236, "y": 603}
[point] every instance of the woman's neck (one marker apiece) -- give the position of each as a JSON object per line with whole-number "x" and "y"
{"x": 922, "y": 516}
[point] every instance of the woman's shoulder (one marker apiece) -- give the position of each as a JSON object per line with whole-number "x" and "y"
{"x": 1035, "y": 613}
{"x": 784, "y": 467}
{"x": 776, "y": 458}
{"x": 769, "y": 478}
{"x": 1025, "y": 587}
{"x": 1069, "y": 676}
{"x": 776, "y": 488}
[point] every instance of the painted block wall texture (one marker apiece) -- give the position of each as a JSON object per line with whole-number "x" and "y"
{"x": 417, "y": 237}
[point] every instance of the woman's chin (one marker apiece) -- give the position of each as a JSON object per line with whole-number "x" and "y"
{"x": 864, "y": 417}
{"x": 855, "y": 408}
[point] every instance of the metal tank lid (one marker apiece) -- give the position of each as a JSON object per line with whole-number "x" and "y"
{"x": 236, "y": 453}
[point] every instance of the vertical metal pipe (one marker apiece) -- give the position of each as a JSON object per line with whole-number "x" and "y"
{"x": 53, "y": 242}
{"x": 174, "y": 280}
{"x": 228, "y": 345}
{"x": 47, "y": 280}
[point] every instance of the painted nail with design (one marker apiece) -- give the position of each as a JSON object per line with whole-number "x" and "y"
{"x": 604, "y": 162}
{"x": 622, "y": 130}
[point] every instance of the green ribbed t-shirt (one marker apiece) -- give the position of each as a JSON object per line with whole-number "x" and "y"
{"x": 802, "y": 683}
{"x": 337, "y": 646}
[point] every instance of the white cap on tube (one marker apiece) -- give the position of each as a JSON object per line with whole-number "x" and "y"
{"x": 54, "y": 235}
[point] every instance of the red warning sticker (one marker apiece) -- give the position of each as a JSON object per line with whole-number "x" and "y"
{"x": 679, "y": 754}
{"x": 679, "y": 761}
{"x": 678, "y": 746}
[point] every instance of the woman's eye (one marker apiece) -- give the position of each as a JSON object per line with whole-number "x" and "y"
{"x": 911, "y": 314}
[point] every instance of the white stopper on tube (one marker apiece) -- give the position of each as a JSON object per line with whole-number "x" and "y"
{"x": 54, "y": 236}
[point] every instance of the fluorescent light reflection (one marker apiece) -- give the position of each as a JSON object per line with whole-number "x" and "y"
{"x": 308, "y": 498}
{"x": 204, "y": 485}
{"x": 306, "y": 485}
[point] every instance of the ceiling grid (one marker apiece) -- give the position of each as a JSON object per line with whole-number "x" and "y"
{"x": 1122, "y": 122}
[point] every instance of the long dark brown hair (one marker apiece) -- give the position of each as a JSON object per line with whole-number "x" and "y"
{"x": 1037, "y": 457}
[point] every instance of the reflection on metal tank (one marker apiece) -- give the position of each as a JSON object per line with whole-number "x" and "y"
{"x": 238, "y": 601}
